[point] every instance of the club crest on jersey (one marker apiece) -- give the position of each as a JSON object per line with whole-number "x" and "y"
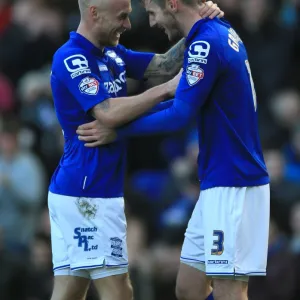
{"x": 89, "y": 86}
{"x": 194, "y": 74}
{"x": 113, "y": 55}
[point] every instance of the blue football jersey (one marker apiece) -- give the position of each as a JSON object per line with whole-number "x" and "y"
{"x": 83, "y": 76}
{"x": 217, "y": 82}
{"x": 217, "y": 91}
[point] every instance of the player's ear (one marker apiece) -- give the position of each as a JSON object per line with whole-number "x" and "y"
{"x": 94, "y": 12}
{"x": 172, "y": 6}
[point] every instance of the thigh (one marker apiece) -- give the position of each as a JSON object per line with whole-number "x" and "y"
{"x": 116, "y": 287}
{"x": 192, "y": 283}
{"x": 70, "y": 287}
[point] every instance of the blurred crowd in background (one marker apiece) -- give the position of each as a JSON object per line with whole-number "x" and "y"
{"x": 162, "y": 186}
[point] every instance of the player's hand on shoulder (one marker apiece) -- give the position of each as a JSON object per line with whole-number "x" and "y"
{"x": 210, "y": 9}
{"x": 96, "y": 134}
{"x": 173, "y": 83}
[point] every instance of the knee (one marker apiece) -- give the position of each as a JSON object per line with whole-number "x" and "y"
{"x": 180, "y": 292}
{"x": 128, "y": 291}
{"x": 230, "y": 289}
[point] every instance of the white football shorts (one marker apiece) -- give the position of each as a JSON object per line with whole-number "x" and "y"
{"x": 88, "y": 236}
{"x": 228, "y": 232}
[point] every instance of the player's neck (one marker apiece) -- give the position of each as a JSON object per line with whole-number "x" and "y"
{"x": 88, "y": 34}
{"x": 186, "y": 20}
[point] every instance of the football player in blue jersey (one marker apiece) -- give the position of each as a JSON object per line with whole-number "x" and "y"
{"x": 86, "y": 205}
{"x": 227, "y": 236}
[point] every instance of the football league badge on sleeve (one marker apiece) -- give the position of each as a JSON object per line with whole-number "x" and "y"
{"x": 89, "y": 86}
{"x": 194, "y": 74}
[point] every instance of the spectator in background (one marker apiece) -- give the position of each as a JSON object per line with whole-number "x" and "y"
{"x": 32, "y": 33}
{"x": 37, "y": 111}
{"x": 232, "y": 9}
{"x": 282, "y": 117}
{"x": 280, "y": 282}
{"x": 269, "y": 46}
{"x": 5, "y": 15}
{"x": 285, "y": 107}
{"x": 6, "y": 95}
{"x": 39, "y": 279}
{"x": 12, "y": 274}
{"x": 281, "y": 188}
{"x": 295, "y": 227}
{"x": 292, "y": 156}
{"x": 295, "y": 242}
{"x": 22, "y": 190}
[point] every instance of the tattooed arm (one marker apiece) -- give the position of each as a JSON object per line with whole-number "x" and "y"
{"x": 168, "y": 64}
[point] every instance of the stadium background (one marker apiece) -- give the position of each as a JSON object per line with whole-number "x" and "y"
{"x": 161, "y": 187}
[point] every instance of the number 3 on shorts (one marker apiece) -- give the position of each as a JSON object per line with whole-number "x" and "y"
{"x": 218, "y": 243}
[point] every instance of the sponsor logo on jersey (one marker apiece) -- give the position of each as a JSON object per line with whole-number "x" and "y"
{"x": 115, "y": 86}
{"x": 194, "y": 73}
{"x": 77, "y": 65}
{"x": 89, "y": 86}
{"x": 198, "y": 52}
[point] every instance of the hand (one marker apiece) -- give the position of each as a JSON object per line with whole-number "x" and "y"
{"x": 173, "y": 83}
{"x": 210, "y": 10}
{"x": 96, "y": 134}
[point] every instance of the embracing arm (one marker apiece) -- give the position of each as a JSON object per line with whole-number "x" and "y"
{"x": 174, "y": 118}
{"x": 114, "y": 112}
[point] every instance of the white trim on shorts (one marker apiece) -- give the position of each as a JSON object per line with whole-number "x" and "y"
{"x": 95, "y": 273}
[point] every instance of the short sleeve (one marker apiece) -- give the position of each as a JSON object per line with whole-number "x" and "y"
{"x": 202, "y": 66}
{"x": 78, "y": 71}
{"x": 136, "y": 62}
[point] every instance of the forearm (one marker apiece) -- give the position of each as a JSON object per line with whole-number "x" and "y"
{"x": 115, "y": 112}
{"x": 168, "y": 64}
{"x": 169, "y": 120}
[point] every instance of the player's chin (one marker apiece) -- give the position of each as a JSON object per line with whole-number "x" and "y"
{"x": 174, "y": 36}
{"x": 171, "y": 36}
{"x": 114, "y": 42}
